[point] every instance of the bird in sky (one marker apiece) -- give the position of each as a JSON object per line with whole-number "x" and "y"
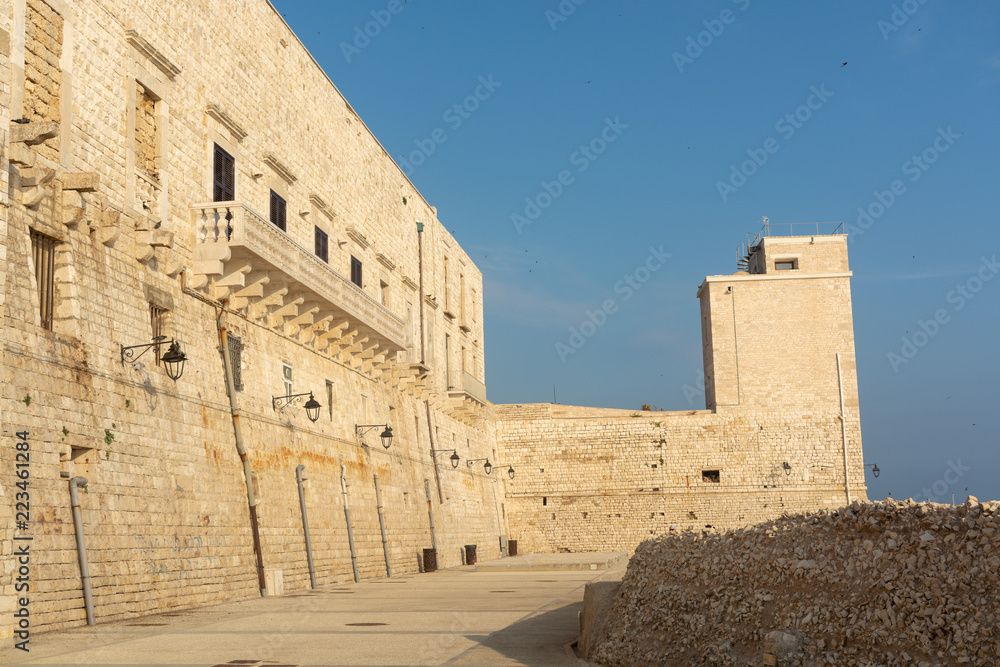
{"x": 844, "y": 65}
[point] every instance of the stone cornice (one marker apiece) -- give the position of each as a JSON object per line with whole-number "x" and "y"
{"x": 216, "y": 112}
{"x": 385, "y": 261}
{"x": 357, "y": 237}
{"x": 280, "y": 169}
{"x": 321, "y": 204}
{"x": 748, "y": 277}
{"x": 152, "y": 54}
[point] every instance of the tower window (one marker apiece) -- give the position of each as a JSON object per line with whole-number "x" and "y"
{"x": 786, "y": 264}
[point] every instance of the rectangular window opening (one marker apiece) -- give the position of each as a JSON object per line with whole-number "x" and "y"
{"x": 225, "y": 176}
{"x": 356, "y": 275}
{"x": 236, "y": 360}
{"x": 322, "y": 245}
{"x": 158, "y": 323}
{"x": 286, "y": 377}
{"x": 710, "y": 476}
{"x": 329, "y": 398}
{"x": 278, "y": 207}
{"x": 786, "y": 264}
{"x": 43, "y": 250}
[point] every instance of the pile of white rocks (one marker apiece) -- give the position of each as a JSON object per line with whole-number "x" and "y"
{"x": 884, "y": 583}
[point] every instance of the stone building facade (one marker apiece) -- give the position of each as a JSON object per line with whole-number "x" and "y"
{"x": 186, "y": 170}
{"x": 781, "y": 432}
{"x": 174, "y": 178}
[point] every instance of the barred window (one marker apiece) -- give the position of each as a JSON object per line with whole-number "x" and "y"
{"x": 158, "y": 323}
{"x": 235, "y": 360}
{"x": 43, "y": 250}
{"x": 356, "y": 276}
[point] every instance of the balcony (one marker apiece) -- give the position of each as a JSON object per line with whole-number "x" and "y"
{"x": 462, "y": 385}
{"x": 241, "y": 256}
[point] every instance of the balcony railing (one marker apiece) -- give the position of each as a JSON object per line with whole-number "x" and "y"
{"x": 460, "y": 381}
{"x": 249, "y": 236}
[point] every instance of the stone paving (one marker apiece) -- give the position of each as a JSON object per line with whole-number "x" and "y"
{"x": 452, "y": 617}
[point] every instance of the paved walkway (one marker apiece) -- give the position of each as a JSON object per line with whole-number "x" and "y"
{"x": 452, "y": 617}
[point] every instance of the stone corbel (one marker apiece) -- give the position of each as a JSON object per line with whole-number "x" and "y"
{"x": 273, "y": 298}
{"x": 33, "y": 134}
{"x": 174, "y": 263}
{"x": 33, "y": 185}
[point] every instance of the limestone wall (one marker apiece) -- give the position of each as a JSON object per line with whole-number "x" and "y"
{"x": 147, "y": 90}
{"x": 595, "y": 479}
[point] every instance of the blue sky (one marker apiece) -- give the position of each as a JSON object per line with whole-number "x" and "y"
{"x": 672, "y": 95}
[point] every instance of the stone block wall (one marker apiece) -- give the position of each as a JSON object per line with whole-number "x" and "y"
{"x": 165, "y": 510}
{"x": 591, "y": 479}
{"x": 43, "y": 42}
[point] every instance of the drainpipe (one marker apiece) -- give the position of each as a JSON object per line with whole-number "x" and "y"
{"x": 420, "y": 296}
{"x": 347, "y": 515}
{"x": 238, "y": 433}
{"x": 843, "y": 430}
{"x": 381, "y": 525}
{"x": 430, "y": 513}
{"x": 81, "y": 547}
{"x": 434, "y": 461}
{"x": 299, "y": 478}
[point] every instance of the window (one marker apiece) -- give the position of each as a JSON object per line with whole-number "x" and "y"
{"x": 43, "y": 250}
{"x": 322, "y": 245}
{"x": 158, "y": 323}
{"x": 225, "y": 175}
{"x": 236, "y": 360}
{"x": 447, "y": 293}
{"x": 461, "y": 298}
{"x": 710, "y": 476}
{"x": 356, "y": 271}
{"x": 286, "y": 376}
{"x": 383, "y": 288}
{"x": 364, "y": 408}
{"x": 786, "y": 264}
{"x": 277, "y": 210}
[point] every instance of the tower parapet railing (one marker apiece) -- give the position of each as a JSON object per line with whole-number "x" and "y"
{"x": 746, "y": 249}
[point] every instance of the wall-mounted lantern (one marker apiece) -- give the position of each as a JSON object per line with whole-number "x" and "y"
{"x": 874, "y": 467}
{"x": 788, "y": 468}
{"x": 488, "y": 467}
{"x": 312, "y": 406}
{"x": 385, "y": 436}
{"x": 173, "y": 360}
{"x": 455, "y": 459}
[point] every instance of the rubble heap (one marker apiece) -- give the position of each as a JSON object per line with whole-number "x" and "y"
{"x": 884, "y": 583}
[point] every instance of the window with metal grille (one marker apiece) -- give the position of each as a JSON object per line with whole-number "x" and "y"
{"x": 356, "y": 271}
{"x": 158, "y": 323}
{"x": 43, "y": 250}
{"x": 322, "y": 245}
{"x": 236, "y": 360}
{"x": 225, "y": 175}
{"x": 277, "y": 210}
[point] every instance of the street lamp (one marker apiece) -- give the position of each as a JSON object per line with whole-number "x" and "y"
{"x": 454, "y": 455}
{"x": 788, "y": 468}
{"x": 173, "y": 360}
{"x": 488, "y": 467}
{"x": 874, "y": 467}
{"x": 385, "y": 436}
{"x": 312, "y": 406}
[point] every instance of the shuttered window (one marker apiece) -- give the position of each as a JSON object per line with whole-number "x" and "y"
{"x": 225, "y": 175}
{"x": 43, "y": 250}
{"x": 322, "y": 245}
{"x": 277, "y": 210}
{"x": 356, "y": 271}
